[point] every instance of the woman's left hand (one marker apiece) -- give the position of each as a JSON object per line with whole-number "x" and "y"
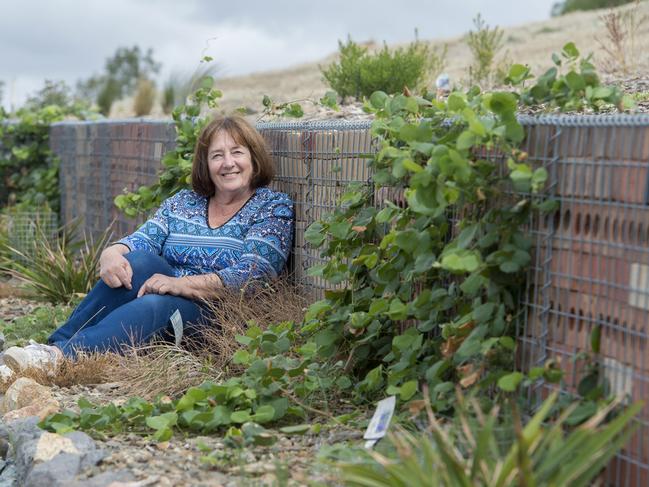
{"x": 161, "y": 284}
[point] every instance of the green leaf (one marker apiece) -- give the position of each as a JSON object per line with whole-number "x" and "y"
{"x": 241, "y": 357}
{"x": 509, "y": 382}
{"x": 240, "y": 416}
{"x": 264, "y": 414}
{"x": 502, "y": 103}
{"x": 456, "y": 102}
{"x": 411, "y": 165}
{"x": 461, "y": 261}
{"x": 340, "y": 230}
{"x": 162, "y": 421}
{"x": 298, "y": 429}
{"x": 570, "y": 50}
{"x": 408, "y": 390}
{"x": 378, "y": 99}
{"x": 466, "y": 140}
{"x": 595, "y": 338}
{"x": 574, "y": 81}
{"x": 314, "y": 234}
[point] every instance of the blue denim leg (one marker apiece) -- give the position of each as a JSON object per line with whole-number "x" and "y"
{"x": 109, "y": 316}
{"x": 133, "y": 323}
{"x": 103, "y": 299}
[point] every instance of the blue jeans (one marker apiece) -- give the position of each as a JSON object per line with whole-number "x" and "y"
{"x": 109, "y": 318}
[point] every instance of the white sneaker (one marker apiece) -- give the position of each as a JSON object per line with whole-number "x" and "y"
{"x": 35, "y": 355}
{"x": 6, "y": 374}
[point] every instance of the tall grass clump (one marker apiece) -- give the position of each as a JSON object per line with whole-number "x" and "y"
{"x": 360, "y": 73}
{"x": 179, "y": 85}
{"x": 162, "y": 368}
{"x": 541, "y": 453}
{"x": 144, "y": 97}
{"x": 56, "y": 268}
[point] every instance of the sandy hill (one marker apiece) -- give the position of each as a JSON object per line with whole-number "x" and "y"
{"x": 530, "y": 44}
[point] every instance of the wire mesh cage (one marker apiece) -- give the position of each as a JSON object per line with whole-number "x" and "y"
{"x": 590, "y": 266}
{"x": 23, "y": 228}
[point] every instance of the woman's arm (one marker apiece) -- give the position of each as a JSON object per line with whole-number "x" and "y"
{"x": 153, "y": 233}
{"x": 266, "y": 248}
{"x": 114, "y": 269}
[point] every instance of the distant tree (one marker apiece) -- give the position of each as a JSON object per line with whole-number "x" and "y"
{"x": 568, "y": 6}
{"x": 122, "y": 73}
{"x": 53, "y": 93}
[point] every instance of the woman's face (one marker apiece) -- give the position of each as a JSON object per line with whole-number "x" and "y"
{"x": 229, "y": 164}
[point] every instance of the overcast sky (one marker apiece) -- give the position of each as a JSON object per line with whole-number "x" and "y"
{"x": 71, "y": 39}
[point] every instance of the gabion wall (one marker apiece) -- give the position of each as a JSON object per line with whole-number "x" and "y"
{"x": 591, "y": 266}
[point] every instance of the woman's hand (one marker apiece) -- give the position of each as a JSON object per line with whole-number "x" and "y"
{"x": 161, "y": 284}
{"x": 114, "y": 269}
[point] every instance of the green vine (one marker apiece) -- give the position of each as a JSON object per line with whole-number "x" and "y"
{"x": 426, "y": 287}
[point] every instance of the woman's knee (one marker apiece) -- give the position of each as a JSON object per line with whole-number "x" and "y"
{"x": 144, "y": 263}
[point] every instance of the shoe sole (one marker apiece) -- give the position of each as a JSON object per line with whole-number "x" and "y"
{"x": 12, "y": 363}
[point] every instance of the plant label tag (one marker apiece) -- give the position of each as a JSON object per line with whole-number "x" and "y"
{"x": 177, "y": 323}
{"x": 380, "y": 421}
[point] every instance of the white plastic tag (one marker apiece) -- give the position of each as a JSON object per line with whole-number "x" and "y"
{"x": 380, "y": 421}
{"x": 177, "y": 323}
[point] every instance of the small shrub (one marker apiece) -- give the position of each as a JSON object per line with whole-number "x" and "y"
{"x": 619, "y": 43}
{"x": 57, "y": 269}
{"x": 359, "y": 73}
{"x": 484, "y": 43}
{"x": 144, "y": 97}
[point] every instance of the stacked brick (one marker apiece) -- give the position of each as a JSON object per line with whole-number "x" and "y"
{"x": 591, "y": 260}
{"x": 315, "y": 166}
{"x": 595, "y": 267}
{"x": 101, "y": 160}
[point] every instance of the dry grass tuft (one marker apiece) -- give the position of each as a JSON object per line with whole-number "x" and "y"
{"x": 266, "y": 305}
{"x": 161, "y": 368}
{"x": 92, "y": 368}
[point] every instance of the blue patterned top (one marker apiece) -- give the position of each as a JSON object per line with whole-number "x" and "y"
{"x": 253, "y": 244}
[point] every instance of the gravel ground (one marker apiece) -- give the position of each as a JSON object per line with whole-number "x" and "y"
{"x": 180, "y": 461}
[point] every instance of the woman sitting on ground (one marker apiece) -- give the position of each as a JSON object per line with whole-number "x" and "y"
{"x": 231, "y": 229}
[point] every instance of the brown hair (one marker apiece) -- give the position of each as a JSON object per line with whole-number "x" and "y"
{"x": 244, "y": 134}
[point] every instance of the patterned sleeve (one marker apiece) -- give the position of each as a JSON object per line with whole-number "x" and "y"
{"x": 266, "y": 246}
{"x": 152, "y": 234}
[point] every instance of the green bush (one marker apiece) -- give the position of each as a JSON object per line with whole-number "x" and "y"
{"x": 567, "y": 6}
{"x": 360, "y": 73}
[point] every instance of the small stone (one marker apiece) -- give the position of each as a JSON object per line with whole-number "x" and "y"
{"x": 42, "y": 411}
{"x": 105, "y": 479}
{"x": 24, "y": 392}
{"x": 56, "y": 472}
{"x": 50, "y": 444}
{"x": 107, "y": 386}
